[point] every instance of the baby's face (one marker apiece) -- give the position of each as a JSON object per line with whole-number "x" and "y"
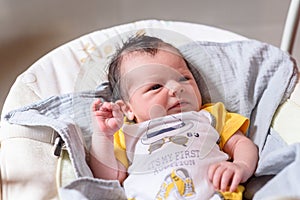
{"x": 158, "y": 85}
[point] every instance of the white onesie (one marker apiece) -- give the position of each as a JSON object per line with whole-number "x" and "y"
{"x": 169, "y": 157}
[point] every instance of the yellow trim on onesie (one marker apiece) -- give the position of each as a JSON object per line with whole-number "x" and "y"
{"x": 227, "y": 123}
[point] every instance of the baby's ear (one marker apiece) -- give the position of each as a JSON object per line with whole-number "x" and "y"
{"x": 126, "y": 109}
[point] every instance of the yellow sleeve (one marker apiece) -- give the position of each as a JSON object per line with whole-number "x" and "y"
{"x": 227, "y": 123}
{"x": 120, "y": 148}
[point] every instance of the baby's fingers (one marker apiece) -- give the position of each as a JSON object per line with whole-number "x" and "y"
{"x": 104, "y": 109}
{"x": 215, "y": 174}
{"x": 236, "y": 179}
{"x": 226, "y": 178}
{"x": 116, "y": 110}
{"x": 117, "y": 114}
{"x": 211, "y": 171}
{"x": 96, "y": 105}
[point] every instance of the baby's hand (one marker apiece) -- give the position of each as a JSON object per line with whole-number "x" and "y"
{"x": 109, "y": 117}
{"x": 227, "y": 175}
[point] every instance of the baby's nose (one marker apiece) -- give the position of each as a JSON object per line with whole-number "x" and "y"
{"x": 175, "y": 88}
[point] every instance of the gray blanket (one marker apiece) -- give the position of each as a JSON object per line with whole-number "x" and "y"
{"x": 249, "y": 77}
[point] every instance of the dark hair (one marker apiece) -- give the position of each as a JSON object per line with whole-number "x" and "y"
{"x": 137, "y": 43}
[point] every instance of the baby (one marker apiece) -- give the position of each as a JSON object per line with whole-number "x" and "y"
{"x": 174, "y": 146}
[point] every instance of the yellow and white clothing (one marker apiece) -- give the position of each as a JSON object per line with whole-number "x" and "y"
{"x": 169, "y": 156}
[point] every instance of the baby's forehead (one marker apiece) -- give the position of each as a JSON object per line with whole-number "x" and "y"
{"x": 154, "y": 70}
{"x": 167, "y": 57}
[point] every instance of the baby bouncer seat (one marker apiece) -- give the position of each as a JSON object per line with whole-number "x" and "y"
{"x": 45, "y": 120}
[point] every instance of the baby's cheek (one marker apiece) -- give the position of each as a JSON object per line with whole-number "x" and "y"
{"x": 156, "y": 111}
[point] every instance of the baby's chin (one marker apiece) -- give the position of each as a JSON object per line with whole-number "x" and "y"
{"x": 182, "y": 109}
{"x": 158, "y": 111}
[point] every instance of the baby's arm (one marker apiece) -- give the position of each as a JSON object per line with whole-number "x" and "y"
{"x": 229, "y": 174}
{"x": 108, "y": 119}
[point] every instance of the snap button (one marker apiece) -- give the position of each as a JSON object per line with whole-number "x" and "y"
{"x": 28, "y": 78}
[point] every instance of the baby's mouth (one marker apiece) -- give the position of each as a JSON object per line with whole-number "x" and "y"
{"x": 178, "y": 105}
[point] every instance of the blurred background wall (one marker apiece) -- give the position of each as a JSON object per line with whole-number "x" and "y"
{"x": 30, "y": 29}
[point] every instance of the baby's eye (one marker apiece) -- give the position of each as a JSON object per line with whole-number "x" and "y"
{"x": 184, "y": 78}
{"x": 155, "y": 87}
